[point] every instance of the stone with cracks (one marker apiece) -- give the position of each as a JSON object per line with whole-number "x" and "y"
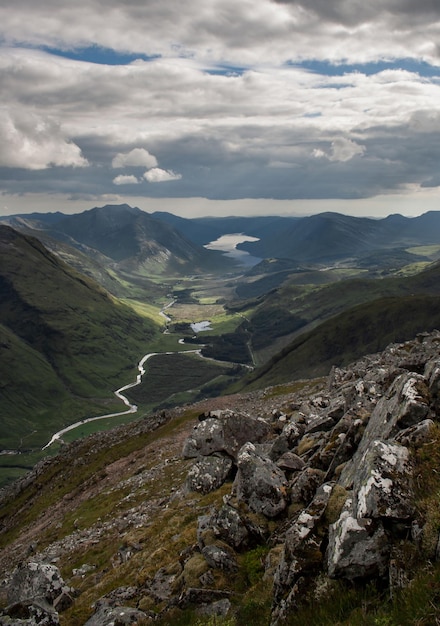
{"x": 382, "y": 483}
{"x": 226, "y": 433}
{"x": 260, "y": 483}
{"x": 358, "y": 548}
{"x": 404, "y": 405}
{"x": 39, "y": 581}
{"x": 208, "y": 473}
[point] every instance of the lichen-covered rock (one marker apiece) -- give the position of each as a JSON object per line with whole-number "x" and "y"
{"x": 220, "y": 557}
{"x": 229, "y": 526}
{"x": 404, "y": 405}
{"x": 225, "y": 433}
{"x": 207, "y": 438}
{"x": 382, "y": 483}
{"x": 39, "y": 581}
{"x": 302, "y": 554}
{"x": 306, "y": 522}
{"x": 304, "y": 486}
{"x": 292, "y": 431}
{"x": 412, "y": 398}
{"x": 208, "y": 473}
{"x": 106, "y": 615}
{"x": 260, "y": 483}
{"x": 358, "y": 548}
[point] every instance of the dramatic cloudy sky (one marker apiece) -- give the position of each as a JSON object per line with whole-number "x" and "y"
{"x": 220, "y": 105}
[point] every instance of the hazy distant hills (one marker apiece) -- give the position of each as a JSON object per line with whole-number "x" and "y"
{"x": 203, "y": 230}
{"x": 321, "y": 238}
{"x": 63, "y": 340}
{"x": 329, "y": 237}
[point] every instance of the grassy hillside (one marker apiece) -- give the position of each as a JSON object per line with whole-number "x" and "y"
{"x": 361, "y": 330}
{"x": 300, "y": 307}
{"x": 64, "y": 340}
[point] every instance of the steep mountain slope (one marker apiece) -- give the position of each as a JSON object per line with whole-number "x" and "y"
{"x": 64, "y": 340}
{"x": 88, "y": 262}
{"x": 312, "y": 304}
{"x": 358, "y": 331}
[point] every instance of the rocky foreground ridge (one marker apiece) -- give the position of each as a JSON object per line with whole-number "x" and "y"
{"x": 248, "y": 509}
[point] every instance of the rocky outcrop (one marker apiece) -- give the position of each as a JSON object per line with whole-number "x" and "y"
{"x": 36, "y": 594}
{"x": 335, "y": 473}
{"x": 208, "y": 473}
{"x": 120, "y": 615}
{"x": 224, "y": 432}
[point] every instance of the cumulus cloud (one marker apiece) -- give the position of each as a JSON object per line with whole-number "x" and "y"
{"x": 35, "y": 142}
{"x": 138, "y": 157}
{"x": 158, "y": 175}
{"x": 342, "y": 149}
{"x": 125, "y": 180}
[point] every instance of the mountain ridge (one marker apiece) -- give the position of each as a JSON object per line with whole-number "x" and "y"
{"x": 328, "y": 237}
{"x": 320, "y": 238}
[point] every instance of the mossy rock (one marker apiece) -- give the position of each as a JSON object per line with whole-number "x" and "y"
{"x": 272, "y": 560}
{"x": 335, "y": 504}
{"x": 195, "y": 567}
{"x": 305, "y": 445}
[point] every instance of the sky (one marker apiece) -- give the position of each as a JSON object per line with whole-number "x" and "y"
{"x": 220, "y": 107}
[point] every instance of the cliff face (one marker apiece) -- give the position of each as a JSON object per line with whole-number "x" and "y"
{"x": 256, "y": 510}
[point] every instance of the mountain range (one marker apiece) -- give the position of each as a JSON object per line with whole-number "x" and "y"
{"x": 167, "y": 243}
{"x": 321, "y": 238}
{"x": 123, "y": 237}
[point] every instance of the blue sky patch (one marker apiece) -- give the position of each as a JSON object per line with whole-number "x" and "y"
{"x": 99, "y": 55}
{"x": 329, "y": 69}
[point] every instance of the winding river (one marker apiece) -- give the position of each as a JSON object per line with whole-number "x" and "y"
{"x": 119, "y": 393}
